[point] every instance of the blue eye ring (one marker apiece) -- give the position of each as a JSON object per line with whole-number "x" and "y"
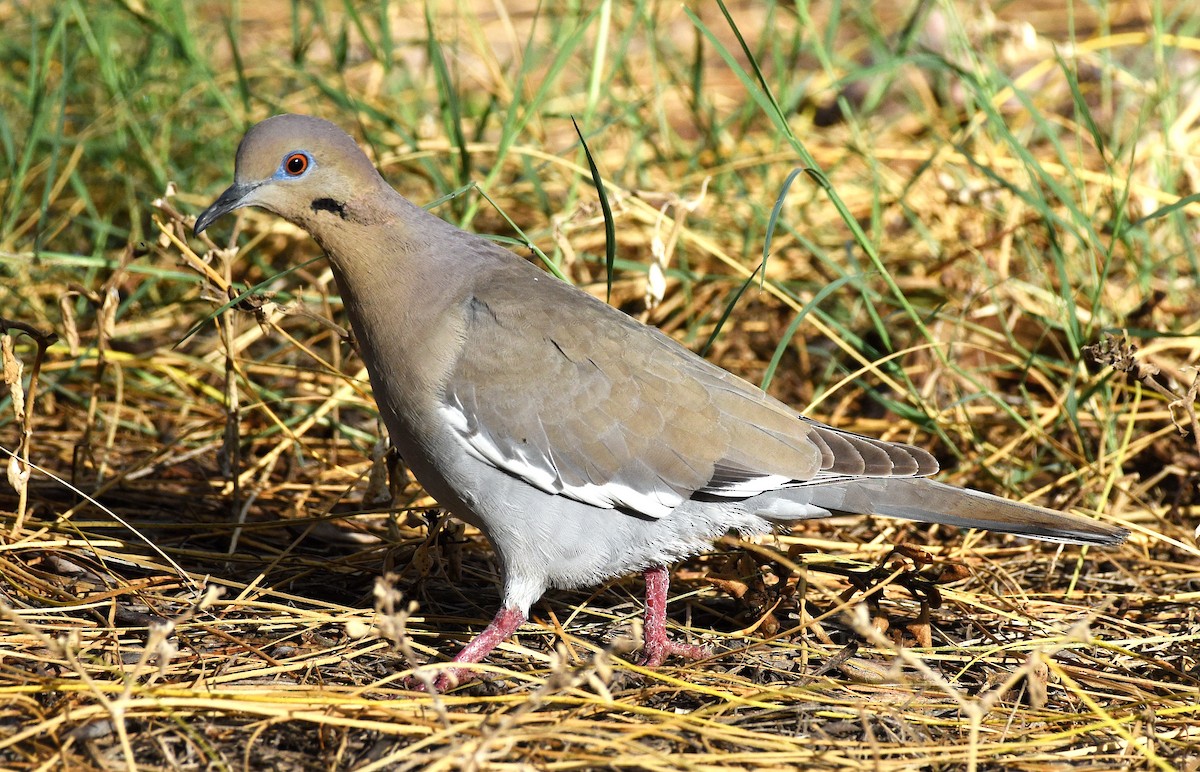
{"x": 296, "y": 164}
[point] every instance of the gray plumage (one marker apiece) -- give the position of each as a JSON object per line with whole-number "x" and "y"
{"x": 583, "y": 444}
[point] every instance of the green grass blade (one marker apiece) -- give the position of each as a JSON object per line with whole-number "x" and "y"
{"x": 610, "y": 228}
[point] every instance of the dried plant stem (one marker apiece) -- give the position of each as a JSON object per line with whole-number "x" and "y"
{"x": 23, "y": 404}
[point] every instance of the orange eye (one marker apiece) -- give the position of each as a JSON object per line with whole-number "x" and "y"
{"x": 296, "y": 164}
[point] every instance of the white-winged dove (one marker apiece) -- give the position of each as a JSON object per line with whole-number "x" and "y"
{"x": 583, "y": 444}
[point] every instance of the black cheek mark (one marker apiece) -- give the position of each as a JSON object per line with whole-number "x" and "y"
{"x": 329, "y": 205}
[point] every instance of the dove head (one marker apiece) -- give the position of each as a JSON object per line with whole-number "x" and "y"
{"x": 304, "y": 169}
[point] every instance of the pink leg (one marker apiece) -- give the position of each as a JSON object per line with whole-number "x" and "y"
{"x": 504, "y": 624}
{"x": 658, "y": 646}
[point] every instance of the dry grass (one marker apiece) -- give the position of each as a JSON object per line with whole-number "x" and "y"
{"x": 191, "y": 556}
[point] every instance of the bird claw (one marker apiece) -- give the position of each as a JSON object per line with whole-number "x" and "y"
{"x": 654, "y": 653}
{"x": 440, "y": 682}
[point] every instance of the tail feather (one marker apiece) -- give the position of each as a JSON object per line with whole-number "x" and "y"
{"x": 928, "y": 501}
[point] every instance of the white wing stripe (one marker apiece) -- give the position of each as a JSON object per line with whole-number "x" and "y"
{"x": 541, "y": 472}
{"x": 750, "y": 486}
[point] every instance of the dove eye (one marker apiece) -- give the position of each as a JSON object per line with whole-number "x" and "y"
{"x": 295, "y": 164}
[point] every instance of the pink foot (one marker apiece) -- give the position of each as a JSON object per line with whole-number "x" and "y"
{"x": 657, "y": 646}
{"x": 504, "y": 624}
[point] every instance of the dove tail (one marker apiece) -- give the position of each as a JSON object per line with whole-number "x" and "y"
{"x": 927, "y": 501}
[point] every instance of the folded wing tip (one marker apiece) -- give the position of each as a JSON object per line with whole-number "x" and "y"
{"x": 1115, "y": 538}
